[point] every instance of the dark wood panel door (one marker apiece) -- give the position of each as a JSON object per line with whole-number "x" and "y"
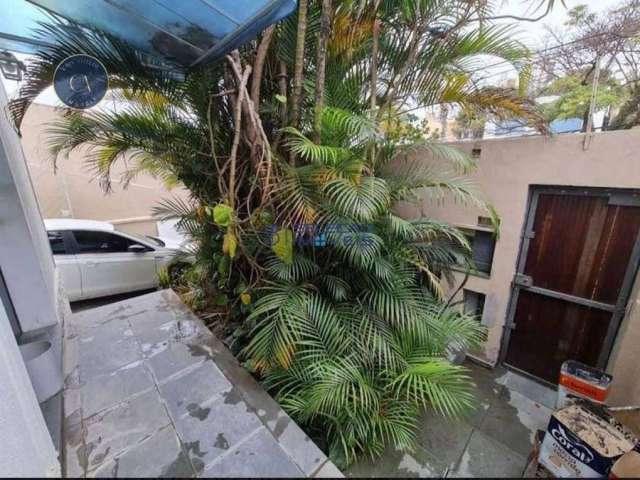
{"x": 578, "y": 259}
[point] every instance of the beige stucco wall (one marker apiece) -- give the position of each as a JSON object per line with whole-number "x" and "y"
{"x": 72, "y": 192}
{"x": 506, "y": 169}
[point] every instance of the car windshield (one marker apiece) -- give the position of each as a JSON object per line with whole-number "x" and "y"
{"x": 157, "y": 241}
{"x": 144, "y": 239}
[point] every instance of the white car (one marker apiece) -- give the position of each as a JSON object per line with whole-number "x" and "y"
{"x": 96, "y": 260}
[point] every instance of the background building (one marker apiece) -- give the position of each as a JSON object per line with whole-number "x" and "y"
{"x": 73, "y": 192}
{"x": 561, "y": 279}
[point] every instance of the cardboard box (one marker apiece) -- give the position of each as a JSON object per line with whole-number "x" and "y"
{"x": 584, "y": 441}
{"x": 627, "y": 466}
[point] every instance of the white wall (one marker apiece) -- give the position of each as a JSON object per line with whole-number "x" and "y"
{"x": 25, "y": 256}
{"x": 26, "y": 448}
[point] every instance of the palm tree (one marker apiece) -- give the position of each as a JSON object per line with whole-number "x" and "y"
{"x": 345, "y": 322}
{"x": 350, "y": 336}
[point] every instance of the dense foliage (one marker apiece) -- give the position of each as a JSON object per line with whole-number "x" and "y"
{"x": 295, "y": 151}
{"x": 574, "y": 96}
{"x": 605, "y": 42}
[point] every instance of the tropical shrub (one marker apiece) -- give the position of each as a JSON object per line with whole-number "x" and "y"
{"x": 295, "y": 151}
{"x": 348, "y": 334}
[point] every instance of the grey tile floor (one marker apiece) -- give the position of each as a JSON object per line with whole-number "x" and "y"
{"x": 493, "y": 441}
{"x": 150, "y": 392}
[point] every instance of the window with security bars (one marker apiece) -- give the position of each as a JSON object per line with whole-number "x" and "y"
{"x": 483, "y": 245}
{"x": 474, "y": 303}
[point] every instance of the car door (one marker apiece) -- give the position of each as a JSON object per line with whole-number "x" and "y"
{"x": 66, "y": 263}
{"x": 108, "y": 266}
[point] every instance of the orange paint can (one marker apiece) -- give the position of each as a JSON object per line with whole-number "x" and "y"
{"x": 578, "y": 380}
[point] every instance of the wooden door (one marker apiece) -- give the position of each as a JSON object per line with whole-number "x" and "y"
{"x": 577, "y": 262}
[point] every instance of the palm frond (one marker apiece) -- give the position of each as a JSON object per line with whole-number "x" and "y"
{"x": 314, "y": 153}
{"x": 278, "y": 316}
{"x": 359, "y": 249}
{"x": 362, "y": 201}
{"x": 437, "y": 384}
{"x": 323, "y": 333}
{"x": 301, "y": 268}
{"x": 335, "y": 287}
{"x": 342, "y": 385}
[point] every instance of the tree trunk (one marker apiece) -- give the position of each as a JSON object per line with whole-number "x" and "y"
{"x": 374, "y": 70}
{"x": 399, "y": 77}
{"x": 283, "y": 78}
{"x": 283, "y": 81}
{"x": 323, "y": 40}
{"x": 296, "y": 99}
{"x": 258, "y": 66}
{"x": 241, "y": 81}
{"x": 374, "y": 58}
{"x": 444, "y": 119}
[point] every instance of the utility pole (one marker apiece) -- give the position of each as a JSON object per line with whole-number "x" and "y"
{"x": 592, "y": 106}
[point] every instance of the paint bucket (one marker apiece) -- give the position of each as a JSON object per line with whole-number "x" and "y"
{"x": 578, "y": 380}
{"x": 584, "y": 441}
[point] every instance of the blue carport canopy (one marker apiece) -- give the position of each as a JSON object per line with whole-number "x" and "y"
{"x": 187, "y": 32}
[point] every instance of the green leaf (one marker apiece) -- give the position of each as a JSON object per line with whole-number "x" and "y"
{"x": 245, "y": 298}
{"x": 360, "y": 200}
{"x": 317, "y": 154}
{"x": 438, "y": 384}
{"x": 229, "y": 244}
{"x": 261, "y": 218}
{"x": 300, "y": 268}
{"x": 221, "y": 300}
{"x": 223, "y": 266}
{"x": 222, "y": 215}
{"x": 283, "y": 245}
{"x": 282, "y": 99}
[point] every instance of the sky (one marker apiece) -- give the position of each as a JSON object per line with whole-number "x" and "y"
{"x": 531, "y": 34}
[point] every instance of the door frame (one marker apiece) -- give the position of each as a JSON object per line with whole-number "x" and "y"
{"x": 617, "y": 196}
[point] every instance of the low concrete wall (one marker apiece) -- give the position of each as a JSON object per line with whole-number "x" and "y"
{"x": 73, "y": 191}
{"x": 506, "y": 170}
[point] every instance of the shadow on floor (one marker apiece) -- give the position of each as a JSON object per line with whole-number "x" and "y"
{"x": 493, "y": 441}
{"x": 83, "y": 305}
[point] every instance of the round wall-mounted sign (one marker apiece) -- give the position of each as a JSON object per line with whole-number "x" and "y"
{"x": 80, "y": 81}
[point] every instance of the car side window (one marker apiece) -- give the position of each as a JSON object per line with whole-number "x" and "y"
{"x": 56, "y": 241}
{"x": 101, "y": 242}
